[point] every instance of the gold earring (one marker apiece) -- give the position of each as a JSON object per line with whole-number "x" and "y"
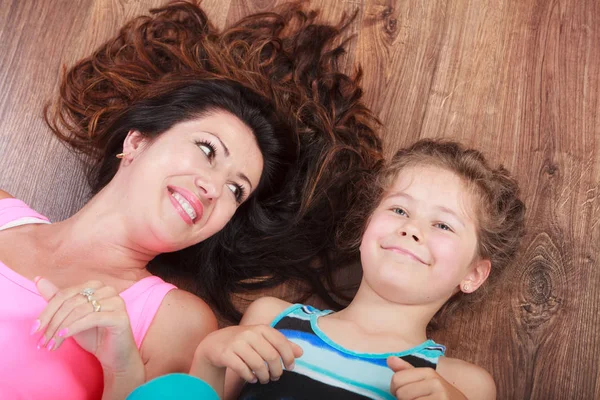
{"x": 121, "y": 155}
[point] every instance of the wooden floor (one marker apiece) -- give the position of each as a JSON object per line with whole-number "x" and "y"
{"x": 519, "y": 79}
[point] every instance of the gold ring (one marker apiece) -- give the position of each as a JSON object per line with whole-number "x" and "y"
{"x": 96, "y": 305}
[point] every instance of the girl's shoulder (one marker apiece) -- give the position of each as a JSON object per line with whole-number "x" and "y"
{"x": 473, "y": 381}
{"x": 264, "y": 311}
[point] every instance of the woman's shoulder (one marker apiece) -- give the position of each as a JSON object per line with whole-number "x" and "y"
{"x": 473, "y": 381}
{"x": 182, "y": 321}
{"x": 185, "y": 305}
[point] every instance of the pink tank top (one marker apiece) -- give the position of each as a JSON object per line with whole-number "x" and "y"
{"x": 69, "y": 372}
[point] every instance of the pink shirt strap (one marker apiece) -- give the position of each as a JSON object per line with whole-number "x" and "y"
{"x": 12, "y": 210}
{"x": 143, "y": 300}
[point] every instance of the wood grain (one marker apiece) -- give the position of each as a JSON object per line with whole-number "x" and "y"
{"x": 518, "y": 79}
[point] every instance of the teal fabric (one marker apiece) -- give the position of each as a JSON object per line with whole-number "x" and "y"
{"x": 176, "y": 387}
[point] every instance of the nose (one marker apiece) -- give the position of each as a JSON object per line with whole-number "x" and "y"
{"x": 210, "y": 187}
{"x": 411, "y": 230}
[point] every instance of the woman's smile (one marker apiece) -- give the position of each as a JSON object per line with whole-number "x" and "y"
{"x": 187, "y": 204}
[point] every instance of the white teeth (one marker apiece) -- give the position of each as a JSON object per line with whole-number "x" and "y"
{"x": 187, "y": 207}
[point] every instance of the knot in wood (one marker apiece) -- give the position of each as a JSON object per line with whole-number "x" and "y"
{"x": 538, "y": 286}
{"x": 390, "y": 22}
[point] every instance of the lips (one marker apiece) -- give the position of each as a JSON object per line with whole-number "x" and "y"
{"x": 186, "y": 203}
{"x": 405, "y": 252}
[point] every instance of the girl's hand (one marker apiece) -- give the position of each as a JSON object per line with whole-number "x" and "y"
{"x": 254, "y": 352}
{"x": 409, "y": 383}
{"x": 96, "y": 320}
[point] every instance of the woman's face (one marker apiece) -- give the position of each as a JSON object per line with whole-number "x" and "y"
{"x": 185, "y": 185}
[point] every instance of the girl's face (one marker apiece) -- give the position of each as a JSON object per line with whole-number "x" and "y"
{"x": 420, "y": 243}
{"x": 186, "y": 184}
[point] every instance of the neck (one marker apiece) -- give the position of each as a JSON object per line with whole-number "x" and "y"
{"x": 96, "y": 238}
{"x": 377, "y": 315}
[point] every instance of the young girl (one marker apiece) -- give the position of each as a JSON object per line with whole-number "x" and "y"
{"x": 444, "y": 224}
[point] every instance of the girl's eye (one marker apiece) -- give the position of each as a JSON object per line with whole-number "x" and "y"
{"x": 208, "y": 148}
{"x": 237, "y": 190}
{"x": 399, "y": 211}
{"x": 443, "y": 227}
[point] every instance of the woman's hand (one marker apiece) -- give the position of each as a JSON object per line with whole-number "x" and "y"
{"x": 255, "y": 353}
{"x": 410, "y": 383}
{"x": 94, "y": 315}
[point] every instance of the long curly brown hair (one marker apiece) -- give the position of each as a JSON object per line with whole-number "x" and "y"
{"x": 285, "y": 56}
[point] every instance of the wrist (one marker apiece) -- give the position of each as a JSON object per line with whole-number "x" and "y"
{"x": 210, "y": 373}
{"x": 120, "y": 382}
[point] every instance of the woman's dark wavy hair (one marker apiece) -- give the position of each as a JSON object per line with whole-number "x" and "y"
{"x": 292, "y": 60}
{"x": 174, "y": 101}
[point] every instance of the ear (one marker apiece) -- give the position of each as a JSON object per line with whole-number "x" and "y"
{"x": 133, "y": 144}
{"x": 476, "y": 276}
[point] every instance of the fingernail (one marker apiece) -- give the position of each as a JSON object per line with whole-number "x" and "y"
{"x": 50, "y": 344}
{"x": 63, "y": 332}
{"x": 291, "y": 367}
{"x": 274, "y": 379}
{"x": 36, "y": 279}
{"x": 41, "y": 342}
{"x": 35, "y": 327}
{"x": 254, "y": 380}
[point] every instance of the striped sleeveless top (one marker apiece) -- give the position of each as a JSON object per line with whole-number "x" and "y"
{"x": 326, "y": 370}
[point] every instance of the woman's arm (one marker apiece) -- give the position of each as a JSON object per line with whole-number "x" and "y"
{"x": 180, "y": 324}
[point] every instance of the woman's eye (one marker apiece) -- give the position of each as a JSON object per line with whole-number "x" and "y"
{"x": 399, "y": 211}
{"x": 208, "y": 149}
{"x": 443, "y": 227}
{"x": 237, "y": 190}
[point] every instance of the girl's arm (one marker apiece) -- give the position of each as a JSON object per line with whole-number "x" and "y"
{"x": 261, "y": 311}
{"x": 473, "y": 381}
{"x": 453, "y": 380}
{"x": 230, "y": 356}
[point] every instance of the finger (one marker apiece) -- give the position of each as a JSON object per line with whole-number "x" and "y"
{"x": 403, "y": 378}
{"x": 284, "y": 348}
{"x": 74, "y": 308}
{"x": 298, "y": 352}
{"x": 104, "y": 319}
{"x": 413, "y": 391}
{"x": 270, "y": 356}
{"x": 56, "y": 302}
{"x": 65, "y": 329}
{"x": 253, "y": 360}
{"x": 397, "y": 364}
{"x": 46, "y": 288}
{"x": 77, "y": 305}
{"x": 237, "y": 365}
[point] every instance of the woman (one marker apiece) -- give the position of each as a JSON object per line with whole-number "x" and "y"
{"x": 189, "y": 158}
{"x": 184, "y": 109}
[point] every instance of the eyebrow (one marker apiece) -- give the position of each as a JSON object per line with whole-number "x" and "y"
{"x": 226, "y": 150}
{"x": 441, "y": 208}
{"x": 222, "y": 144}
